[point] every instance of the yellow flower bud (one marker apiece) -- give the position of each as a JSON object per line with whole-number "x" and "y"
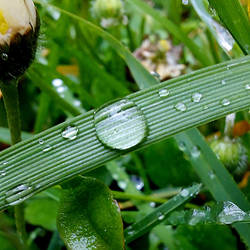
{"x": 19, "y": 28}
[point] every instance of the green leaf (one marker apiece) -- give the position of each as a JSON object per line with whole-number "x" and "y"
{"x": 27, "y": 163}
{"x": 235, "y": 19}
{"x": 42, "y": 212}
{"x": 5, "y": 136}
{"x": 89, "y": 218}
{"x": 159, "y": 214}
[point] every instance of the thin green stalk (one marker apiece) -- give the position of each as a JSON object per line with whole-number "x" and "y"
{"x": 11, "y": 102}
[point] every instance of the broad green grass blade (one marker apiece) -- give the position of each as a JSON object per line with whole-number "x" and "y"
{"x": 41, "y": 165}
{"x": 235, "y": 19}
{"x": 214, "y": 175}
{"x": 159, "y": 214}
{"x": 173, "y": 29}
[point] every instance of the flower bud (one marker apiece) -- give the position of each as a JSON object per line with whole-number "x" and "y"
{"x": 19, "y": 28}
{"x": 109, "y": 13}
{"x": 232, "y": 154}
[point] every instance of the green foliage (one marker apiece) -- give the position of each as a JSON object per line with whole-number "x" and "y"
{"x": 90, "y": 220}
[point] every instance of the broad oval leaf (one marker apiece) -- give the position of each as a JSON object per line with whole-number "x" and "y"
{"x": 89, "y": 218}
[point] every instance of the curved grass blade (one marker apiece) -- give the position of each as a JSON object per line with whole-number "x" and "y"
{"x": 159, "y": 214}
{"x": 38, "y": 165}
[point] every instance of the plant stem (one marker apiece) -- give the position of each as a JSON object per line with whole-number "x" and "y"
{"x": 11, "y": 103}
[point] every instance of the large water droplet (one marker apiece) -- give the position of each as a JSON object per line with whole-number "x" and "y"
{"x": 195, "y": 152}
{"x": 164, "y": 92}
{"x": 184, "y": 193}
{"x": 180, "y": 106}
{"x": 230, "y": 213}
{"x": 16, "y": 195}
{"x": 120, "y": 125}
{"x": 70, "y": 133}
{"x": 225, "y": 102}
{"x": 247, "y": 86}
{"x": 196, "y": 97}
{"x": 4, "y": 57}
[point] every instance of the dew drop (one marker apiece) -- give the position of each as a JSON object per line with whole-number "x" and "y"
{"x": 156, "y": 75}
{"x": 185, "y": 2}
{"x": 57, "y": 82}
{"x": 137, "y": 181}
{"x": 41, "y": 141}
{"x": 195, "y": 152}
{"x": 16, "y": 195}
{"x": 225, "y": 102}
{"x": 4, "y": 57}
{"x": 223, "y": 82}
{"x": 120, "y": 125}
{"x": 211, "y": 175}
{"x": 247, "y": 87}
{"x": 164, "y": 92}
{"x": 180, "y": 106}
{"x": 47, "y": 147}
{"x": 182, "y": 146}
{"x": 2, "y": 172}
{"x": 184, "y": 193}
{"x": 161, "y": 216}
{"x": 70, "y": 133}
{"x": 230, "y": 213}
{"x": 196, "y": 97}
{"x": 152, "y": 204}
{"x": 122, "y": 184}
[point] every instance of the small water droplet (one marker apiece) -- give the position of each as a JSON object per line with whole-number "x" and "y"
{"x": 247, "y": 86}
{"x": 70, "y": 133}
{"x": 152, "y": 204}
{"x": 57, "y": 82}
{"x": 184, "y": 193}
{"x": 47, "y": 147}
{"x": 131, "y": 232}
{"x": 41, "y": 141}
{"x": 225, "y": 102}
{"x": 230, "y": 213}
{"x": 2, "y": 172}
{"x": 211, "y": 175}
{"x": 4, "y": 57}
{"x": 223, "y": 82}
{"x": 120, "y": 125}
{"x": 195, "y": 152}
{"x": 196, "y": 97}
{"x": 185, "y": 2}
{"x": 205, "y": 107}
{"x": 122, "y": 184}
{"x": 180, "y": 106}
{"x": 16, "y": 195}
{"x": 161, "y": 216}
{"x": 156, "y": 75}
{"x": 137, "y": 181}
{"x": 182, "y": 146}
{"x": 164, "y": 92}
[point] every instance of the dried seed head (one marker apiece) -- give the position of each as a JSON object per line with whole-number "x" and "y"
{"x": 19, "y": 28}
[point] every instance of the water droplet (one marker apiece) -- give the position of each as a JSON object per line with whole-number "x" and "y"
{"x": 223, "y": 82}
{"x": 156, "y": 76}
{"x": 182, "y": 146}
{"x": 161, "y": 216}
{"x": 225, "y": 102}
{"x": 230, "y": 213}
{"x": 180, "y": 106}
{"x": 77, "y": 103}
{"x": 211, "y": 175}
{"x": 2, "y": 172}
{"x": 164, "y": 92}
{"x": 70, "y": 133}
{"x": 195, "y": 152}
{"x": 185, "y": 2}
{"x": 47, "y": 147}
{"x": 120, "y": 125}
{"x": 122, "y": 184}
{"x": 137, "y": 181}
{"x": 41, "y": 141}
{"x": 16, "y": 195}
{"x": 184, "y": 193}
{"x": 130, "y": 232}
{"x": 152, "y": 204}
{"x": 4, "y": 57}
{"x": 57, "y": 82}
{"x": 247, "y": 86}
{"x": 196, "y": 97}
{"x": 205, "y": 107}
